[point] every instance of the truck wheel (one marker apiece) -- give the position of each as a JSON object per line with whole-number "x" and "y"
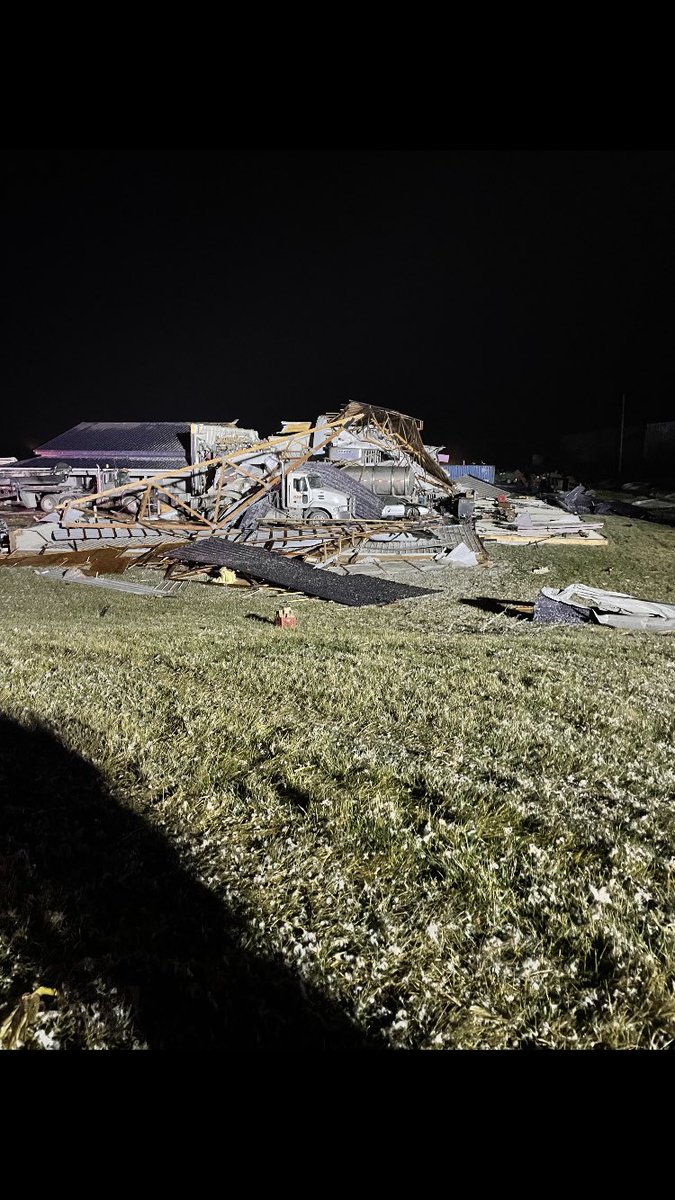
{"x": 48, "y": 502}
{"x": 318, "y": 514}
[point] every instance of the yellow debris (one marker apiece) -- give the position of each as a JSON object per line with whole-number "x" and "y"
{"x": 15, "y": 1027}
{"x": 227, "y": 576}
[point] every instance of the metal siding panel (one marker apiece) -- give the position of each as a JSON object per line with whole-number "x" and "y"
{"x": 477, "y": 470}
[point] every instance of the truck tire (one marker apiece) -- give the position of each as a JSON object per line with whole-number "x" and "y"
{"x": 318, "y": 514}
{"x": 48, "y": 502}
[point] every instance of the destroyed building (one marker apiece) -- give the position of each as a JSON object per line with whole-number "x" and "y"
{"x": 97, "y": 454}
{"x": 354, "y": 490}
{"x": 325, "y": 488}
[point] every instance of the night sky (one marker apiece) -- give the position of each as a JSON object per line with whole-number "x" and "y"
{"x": 498, "y": 295}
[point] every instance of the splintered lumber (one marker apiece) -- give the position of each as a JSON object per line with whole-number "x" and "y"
{"x": 511, "y": 537}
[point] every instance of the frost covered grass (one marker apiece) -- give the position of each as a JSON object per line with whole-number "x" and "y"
{"x": 426, "y": 825}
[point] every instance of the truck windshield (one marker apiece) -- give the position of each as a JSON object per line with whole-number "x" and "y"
{"x": 314, "y": 481}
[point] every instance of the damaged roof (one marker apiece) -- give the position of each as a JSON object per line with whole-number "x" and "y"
{"x": 167, "y": 442}
{"x": 293, "y": 574}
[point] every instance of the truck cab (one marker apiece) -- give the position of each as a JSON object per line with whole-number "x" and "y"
{"x": 307, "y": 496}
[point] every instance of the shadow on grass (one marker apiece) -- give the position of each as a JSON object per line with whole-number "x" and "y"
{"x": 521, "y": 610}
{"x": 94, "y": 898}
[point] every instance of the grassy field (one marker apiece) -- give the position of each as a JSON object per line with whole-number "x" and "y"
{"x": 425, "y": 825}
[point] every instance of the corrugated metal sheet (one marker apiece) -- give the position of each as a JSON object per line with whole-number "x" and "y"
{"x": 487, "y": 491}
{"x": 477, "y": 470}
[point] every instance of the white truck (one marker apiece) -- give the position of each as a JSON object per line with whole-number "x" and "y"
{"x": 304, "y": 494}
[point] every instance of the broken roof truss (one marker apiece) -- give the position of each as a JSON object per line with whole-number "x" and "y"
{"x": 261, "y": 466}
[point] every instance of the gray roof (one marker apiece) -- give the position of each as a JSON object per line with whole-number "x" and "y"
{"x": 138, "y": 440}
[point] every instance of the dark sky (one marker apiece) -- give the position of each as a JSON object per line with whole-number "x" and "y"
{"x": 498, "y": 295}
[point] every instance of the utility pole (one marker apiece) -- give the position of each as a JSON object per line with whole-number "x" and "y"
{"x": 623, "y": 415}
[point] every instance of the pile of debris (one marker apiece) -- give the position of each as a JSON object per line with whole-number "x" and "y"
{"x": 359, "y": 486}
{"x": 579, "y": 604}
{"x": 512, "y": 519}
{"x": 316, "y": 508}
{"x": 660, "y": 508}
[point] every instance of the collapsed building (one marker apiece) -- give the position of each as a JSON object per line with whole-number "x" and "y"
{"x": 360, "y": 480}
{"x": 355, "y": 489}
{"x": 95, "y": 455}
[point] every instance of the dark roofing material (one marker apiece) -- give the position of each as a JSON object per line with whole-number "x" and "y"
{"x": 366, "y": 504}
{"x": 137, "y": 439}
{"x": 297, "y": 576}
{"x": 553, "y": 612}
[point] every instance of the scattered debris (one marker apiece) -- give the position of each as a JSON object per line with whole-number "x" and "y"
{"x": 462, "y": 556}
{"x": 95, "y": 560}
{"x": 606, "y": 608}
{"x": 524, "y": 520}
{"x": 540, "y": 570}
{"x": 512, "y": 519}
{"x": 16, "y": 1027}
{"x": 659, "y": 508}
{"x": 286, "y": 619}
{"x": 357, "y": 486}
{"x": 577, "y": 500}
{"x": 550, "y": 611}
{"x": 168, "y": 589}
{"x": 317, "y": 492}
{"x": 226, "y": 576}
